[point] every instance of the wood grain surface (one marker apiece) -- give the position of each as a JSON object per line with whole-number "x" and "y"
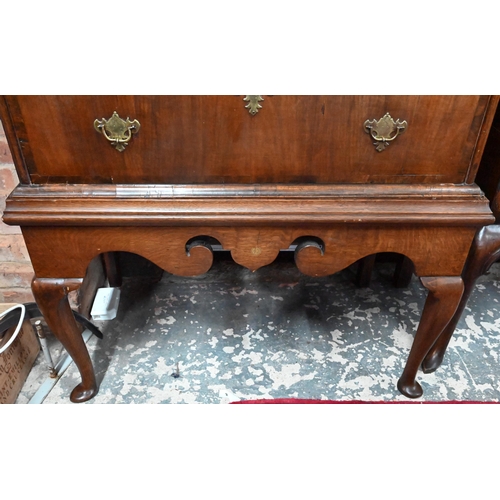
{"x": 214, "y": 139}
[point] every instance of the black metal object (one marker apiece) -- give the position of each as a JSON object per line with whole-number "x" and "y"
{"x": 32, "y": 311}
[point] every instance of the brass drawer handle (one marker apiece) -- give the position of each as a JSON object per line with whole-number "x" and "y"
{"x": 117, "y": 130}
{"x": 384, "y": 130}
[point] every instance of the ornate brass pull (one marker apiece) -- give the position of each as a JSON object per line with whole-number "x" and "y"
{"x": 117, "y": 130}
{"x": 253, "y": 105}
{"x": 384, "y": 130}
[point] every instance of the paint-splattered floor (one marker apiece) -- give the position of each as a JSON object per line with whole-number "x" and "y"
{"x": 233, "y": 335}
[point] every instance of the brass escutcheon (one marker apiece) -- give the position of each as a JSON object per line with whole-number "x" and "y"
{"x": 253, "y": 105}
{"x": 384, "y": 130}
{"x": 117, "y": 130}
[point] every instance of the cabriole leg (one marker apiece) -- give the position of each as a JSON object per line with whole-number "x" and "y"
{"x": 484, "y": 252}
{"x": 440, "y": 306}
{"x": 51, "y": 295}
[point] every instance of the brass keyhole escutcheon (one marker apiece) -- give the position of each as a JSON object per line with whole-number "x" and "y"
{"x": 117, "y": 130}
{"x": 253, "y": 105}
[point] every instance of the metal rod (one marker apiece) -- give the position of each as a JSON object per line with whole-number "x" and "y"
{"x": 62, "y": 365}
{"x": 45, "y": 348}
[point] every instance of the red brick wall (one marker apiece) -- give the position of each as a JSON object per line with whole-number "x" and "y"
{"x": 16, "y": 272}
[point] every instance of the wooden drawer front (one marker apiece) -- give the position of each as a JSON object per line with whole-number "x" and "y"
{"x": 214, "y": 139}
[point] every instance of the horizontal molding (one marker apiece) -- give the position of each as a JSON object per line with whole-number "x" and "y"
{"x": 90, "y": 205}
{"x": 246, "y": 190}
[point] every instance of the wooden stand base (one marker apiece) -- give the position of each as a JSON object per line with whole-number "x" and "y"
{"x": 182, "y": 252}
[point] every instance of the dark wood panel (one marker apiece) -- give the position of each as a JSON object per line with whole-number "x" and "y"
{"x": 214, "y": 139}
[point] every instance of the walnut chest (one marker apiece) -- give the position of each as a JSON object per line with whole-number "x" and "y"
{"x": 335, "y": 177}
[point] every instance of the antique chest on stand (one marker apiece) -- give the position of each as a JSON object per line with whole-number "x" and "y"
{"x": 336, "y": 177}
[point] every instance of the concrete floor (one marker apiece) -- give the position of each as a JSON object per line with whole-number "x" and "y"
{"x": 232, "y": 335}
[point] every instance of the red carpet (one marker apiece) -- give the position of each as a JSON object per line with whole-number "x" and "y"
{"x": 292, "y": 401}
